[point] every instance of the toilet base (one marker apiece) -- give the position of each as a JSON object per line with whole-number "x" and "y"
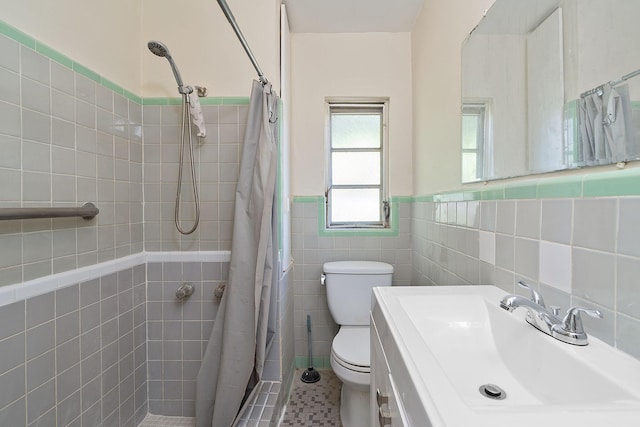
{"x": 354, "y": 407}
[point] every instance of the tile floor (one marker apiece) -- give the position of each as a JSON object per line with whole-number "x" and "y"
{"x": 256, "y": 412}
{"x": 258, "y": 409}
{"x": 316, "y": 404}
{"x": 163, "y": 421}
{"x": 310, "y": 405}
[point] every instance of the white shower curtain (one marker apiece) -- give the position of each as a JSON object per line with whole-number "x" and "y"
{"x": 236, "y": 349}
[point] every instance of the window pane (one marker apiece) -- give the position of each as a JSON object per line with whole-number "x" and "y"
{"x": 469, "y": 165}
{"x": 469, "y": 131}
{"x": 358, "y": 130}
{"x": 355, "y": 205}
{"x": 355, "y": 168}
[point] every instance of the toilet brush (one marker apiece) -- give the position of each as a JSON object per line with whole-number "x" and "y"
{"x": 310, "y": 375}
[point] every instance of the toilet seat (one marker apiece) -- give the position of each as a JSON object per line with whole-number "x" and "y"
{"x": 351, "y": 348}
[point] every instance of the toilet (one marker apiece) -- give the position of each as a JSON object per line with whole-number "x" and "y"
{"x": 349, "y": 285}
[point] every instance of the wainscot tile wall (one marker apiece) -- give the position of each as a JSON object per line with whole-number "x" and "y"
{"x": 179, "y": 331}
{"x": 312, "y": 246}
{"x": 71, "y": 136}
{"x": 76, "y": 356}
{"x": 66, "y": 140}
{"x": 217, "y": 160}
{"x": 576, "y": 240}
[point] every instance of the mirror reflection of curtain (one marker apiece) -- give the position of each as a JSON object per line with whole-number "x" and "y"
{"x": 606, "y": 131}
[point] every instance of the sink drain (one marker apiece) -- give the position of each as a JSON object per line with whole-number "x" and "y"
{"x": 492, "y": 391}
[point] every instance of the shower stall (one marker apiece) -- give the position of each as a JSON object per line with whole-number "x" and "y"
{"x": 97, "y": 335}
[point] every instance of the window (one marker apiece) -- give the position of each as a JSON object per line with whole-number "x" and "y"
{"x": 356, "y": 191}
{"x": 474, "y": 141}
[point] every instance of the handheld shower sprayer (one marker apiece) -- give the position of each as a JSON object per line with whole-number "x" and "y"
{"x": 190, "y": 108}
{"x": 161, "y": 50}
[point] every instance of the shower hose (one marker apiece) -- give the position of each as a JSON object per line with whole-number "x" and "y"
{"x": 186, "y": 129}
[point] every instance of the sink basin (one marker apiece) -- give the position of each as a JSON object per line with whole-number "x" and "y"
{"x": 454, "y": 339}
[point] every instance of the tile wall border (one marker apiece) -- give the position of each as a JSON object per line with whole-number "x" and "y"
{"x": 42, "y": 285}
{"x": 47, "y": 51}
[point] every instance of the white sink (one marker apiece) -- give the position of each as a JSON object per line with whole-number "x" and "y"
{"x": 454, "y": 339}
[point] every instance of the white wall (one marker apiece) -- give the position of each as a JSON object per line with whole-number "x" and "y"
{"x": 348, "y": 65}
{"x": 101, "y": 35}
{"x": 436, "y": 42}
{"x": 206, "y": 49}
{"x": 110, "y": 38}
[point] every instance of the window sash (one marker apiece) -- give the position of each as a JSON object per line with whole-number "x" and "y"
{"x": 336, "y": 190}
{"x": 479, "y": 111}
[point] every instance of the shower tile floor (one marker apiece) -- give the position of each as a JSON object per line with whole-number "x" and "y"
{"x": 316, "y": 404}
{"x": 162, "y": 421}
{"x": 256, "y": 412}
{"x": 310, "y": 405}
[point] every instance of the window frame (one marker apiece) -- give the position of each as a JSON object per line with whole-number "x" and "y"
{"x": 333, "y": 105}
{"x": 480, "y": 108}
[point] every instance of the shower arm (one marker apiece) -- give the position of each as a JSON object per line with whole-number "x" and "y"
{"x": 227, "y": 12}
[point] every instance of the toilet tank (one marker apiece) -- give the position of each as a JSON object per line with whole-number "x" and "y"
{"x": 349, "y": 285}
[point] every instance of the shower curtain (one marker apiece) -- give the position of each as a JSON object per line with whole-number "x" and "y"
{"x": 236, "y": 350}
{"x": 606, "y": 132}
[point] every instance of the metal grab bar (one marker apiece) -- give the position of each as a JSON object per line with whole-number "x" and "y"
{"x": 86, "y": 211}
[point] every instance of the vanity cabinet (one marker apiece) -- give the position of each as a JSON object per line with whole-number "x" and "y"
{"x": 436, "y": 349}
{"x": 386, "y": 409}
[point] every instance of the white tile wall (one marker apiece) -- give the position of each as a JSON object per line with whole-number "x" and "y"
{"x": 555, "y": 265}
{"x": 311, "y": 250}
{"x": 575, "y": 251}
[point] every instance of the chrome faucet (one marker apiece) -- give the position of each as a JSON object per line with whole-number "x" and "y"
{"x": 569, "y": 329}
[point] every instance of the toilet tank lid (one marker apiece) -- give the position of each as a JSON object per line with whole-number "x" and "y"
{"x": 357, "y": 267}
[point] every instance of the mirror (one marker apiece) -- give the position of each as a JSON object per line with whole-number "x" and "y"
{"x": 549, "y": 85}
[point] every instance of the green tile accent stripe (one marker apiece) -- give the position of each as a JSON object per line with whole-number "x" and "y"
{"x": 54, "y": 55}
{"x": 162, "y": 101}
{"x": 319, "y": 362}
{"x": 422, "y": 199}
{"x": 569, "y": 186}
{"x": 234, "y": 100}
{"x": 28, "y": 41}
{"x": 213, "y": 100}
{"x": 393, "y": 230}
{"x": 17, "y": 35}
{"x": 133, "y": 97}
{"x": 496, "y": 193}
{"x": 609, "y": 183}
{"x": 621, "y": 183}
{"x": 400, "y": 199}
{"x": 81, "y": 69}
{"x": 520, "y": 191}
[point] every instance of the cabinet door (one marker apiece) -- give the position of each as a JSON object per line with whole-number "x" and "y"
{"x": 386, "y": 409}
{"x": 396, "y": 409}
{"x": 380, "y": 385}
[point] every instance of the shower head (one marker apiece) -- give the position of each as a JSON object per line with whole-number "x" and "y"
{"x": 161, "y": 50}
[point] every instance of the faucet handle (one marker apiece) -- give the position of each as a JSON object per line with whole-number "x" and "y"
{"x": 572, "y": 322}
{"x": 555, "y": 310}
{"x": 535, "y": 295}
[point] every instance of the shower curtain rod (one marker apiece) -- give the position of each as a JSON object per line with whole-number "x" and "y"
{"x": 247, "y": 49}
{"x": 612, "y": 83}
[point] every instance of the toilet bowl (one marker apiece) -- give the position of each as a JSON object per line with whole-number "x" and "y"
{"x": 349, "y": 285}
{"x": 350, "y": 362}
